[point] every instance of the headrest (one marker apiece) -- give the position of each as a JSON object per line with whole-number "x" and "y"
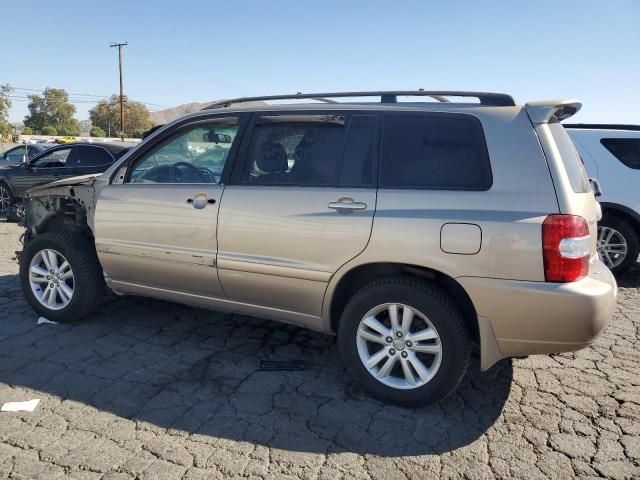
{"x": 273, "y": 159}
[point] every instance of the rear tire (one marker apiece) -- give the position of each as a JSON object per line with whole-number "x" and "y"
{"x": 422, "y": 371}
{"x": 42, "y": 265}
{"x": 622, "y": 229}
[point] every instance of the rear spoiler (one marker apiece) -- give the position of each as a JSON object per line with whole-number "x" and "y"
{"x": 547, "y": 111}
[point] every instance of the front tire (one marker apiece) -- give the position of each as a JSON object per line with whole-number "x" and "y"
{"x": 618, "y": 244}
{"x": 404, "y": 341}
{"x": 60, "y": 276}
{"x": 6, "y": 199}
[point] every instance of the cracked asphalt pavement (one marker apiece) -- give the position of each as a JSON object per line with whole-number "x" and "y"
{"x": 148, "y": 389}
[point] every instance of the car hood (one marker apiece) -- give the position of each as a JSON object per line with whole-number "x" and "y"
{"x": 80, "y": 180}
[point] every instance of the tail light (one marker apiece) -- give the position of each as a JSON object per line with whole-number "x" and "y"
{"x": 566, "y": 244}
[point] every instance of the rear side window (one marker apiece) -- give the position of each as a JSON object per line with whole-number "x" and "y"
{"x": 627, "y": 150}
{"x": 92, "y": 157}
{"x": 434, "y": 151}
{"x": 311, "y": 150}
{"x": 570, "y": 159}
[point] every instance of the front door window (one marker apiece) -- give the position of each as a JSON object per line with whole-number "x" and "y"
{"x": 197, "y": 155}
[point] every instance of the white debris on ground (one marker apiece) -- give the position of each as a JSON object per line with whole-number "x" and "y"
{"x": 27, "y": 406}
{"x": 43, "y": 321}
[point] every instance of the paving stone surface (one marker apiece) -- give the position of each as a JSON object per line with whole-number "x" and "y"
{"x": 151, "y": 390}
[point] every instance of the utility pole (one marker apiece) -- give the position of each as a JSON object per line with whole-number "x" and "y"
{"x": 120, "y": 45}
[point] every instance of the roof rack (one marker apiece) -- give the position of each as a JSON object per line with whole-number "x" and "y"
{"x": 603, "y": 126}
{"x": 386, "y": 96}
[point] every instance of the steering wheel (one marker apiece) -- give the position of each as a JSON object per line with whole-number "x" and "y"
{"x": 177, "y": 176}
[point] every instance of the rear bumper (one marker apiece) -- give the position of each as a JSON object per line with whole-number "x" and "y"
{"x": 525, "y": 318}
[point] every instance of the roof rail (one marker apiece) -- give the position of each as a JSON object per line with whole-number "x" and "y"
{"x": 386, "y": 96}
{"x": 603, "y": 126}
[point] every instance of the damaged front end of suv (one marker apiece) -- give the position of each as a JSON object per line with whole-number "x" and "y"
{"x": 64, "y": 206}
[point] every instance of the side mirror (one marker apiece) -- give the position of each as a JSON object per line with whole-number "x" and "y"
{"x": 595, "y": 186}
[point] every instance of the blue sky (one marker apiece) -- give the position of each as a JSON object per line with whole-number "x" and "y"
{"x": 184, "y": 51}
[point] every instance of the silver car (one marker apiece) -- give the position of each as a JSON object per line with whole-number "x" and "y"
{"x": 412, "y": 230}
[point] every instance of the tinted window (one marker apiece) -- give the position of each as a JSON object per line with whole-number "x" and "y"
{"x": 627, "y": 150}
{"x": 571, "y": 159}
{"x": 195, "y": 155}
{"x": 16, "y": 155}
{"x": 55, "y": 159}
{"x": 311, "y": 150}
{"x": 435, "y": 151}
{"x": 33, "y": 151}
{"x": 91, "y": 157}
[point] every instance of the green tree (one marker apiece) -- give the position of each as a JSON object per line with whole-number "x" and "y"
{"x": 48, "y": 130}
{"x": 5, "y": 105}
{"x": 26, "y": 131}
{"x": 52, "y": 109}
{"x": 97, "y": 132}
{"x": 106, "y": 115}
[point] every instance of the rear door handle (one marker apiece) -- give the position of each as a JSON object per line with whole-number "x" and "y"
{"x": 347, "y": 204}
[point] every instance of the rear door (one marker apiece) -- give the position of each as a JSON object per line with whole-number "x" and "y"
{"x": 300, "y": 205}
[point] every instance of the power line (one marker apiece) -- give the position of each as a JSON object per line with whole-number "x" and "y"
{"x": 41, "y": 90}
{"x": 75, "y": 94}
{"x": 81, "y": 100}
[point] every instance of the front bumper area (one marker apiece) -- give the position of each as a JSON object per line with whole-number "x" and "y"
{"x": 519, "y": 318}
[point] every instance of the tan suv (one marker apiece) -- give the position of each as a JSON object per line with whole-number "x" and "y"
{"x": 410, "y": 229}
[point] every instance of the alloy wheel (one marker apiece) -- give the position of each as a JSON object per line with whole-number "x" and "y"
{"x": 5, "y": 200}
{"x": 399, "y": 346}
{"x": 612, "y": 246}
{"x": 51, "y": 279}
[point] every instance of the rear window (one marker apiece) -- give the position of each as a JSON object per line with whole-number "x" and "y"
{"x": 571, "y": 159}
{"x": 434, "y": 151}
{"x": 92, "y": 156}
{"x": 627, "y": 150}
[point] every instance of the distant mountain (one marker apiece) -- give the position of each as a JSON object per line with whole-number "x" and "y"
{"x": 170, "y": 114}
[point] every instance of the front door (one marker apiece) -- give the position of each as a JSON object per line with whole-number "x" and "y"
{"x": 46, "y": 168}
{"x": 300, "y": 205}
{"x": 157, "y": 229}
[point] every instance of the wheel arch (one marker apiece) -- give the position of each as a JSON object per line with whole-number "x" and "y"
{"x": 343, "y": 286}
{"x": 624, "y": 213}
{"x": 7, "y": 183}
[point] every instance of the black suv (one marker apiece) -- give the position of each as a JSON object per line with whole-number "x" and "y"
{"x": 54, "y": 164}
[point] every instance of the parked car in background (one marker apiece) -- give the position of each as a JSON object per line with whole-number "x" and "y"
{"x": 19, "y": 154}
{"x": 54, "y": 164}
{"x": 611, "y": 153}
{"x": 410, "y": 229}
{"x": 62, "y": 140}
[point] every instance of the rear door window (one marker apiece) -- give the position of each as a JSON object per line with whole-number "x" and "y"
{"x": 91, "y": 157}
{"x": 627, "y": 150}
{"x": 571, "y": 159}
{"x": 434, "y": 151}
{"x": 306, "y": 149}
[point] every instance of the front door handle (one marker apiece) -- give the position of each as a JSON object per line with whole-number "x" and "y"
{"x": 346, "y": 205}
{"x": 200, "y": 201}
